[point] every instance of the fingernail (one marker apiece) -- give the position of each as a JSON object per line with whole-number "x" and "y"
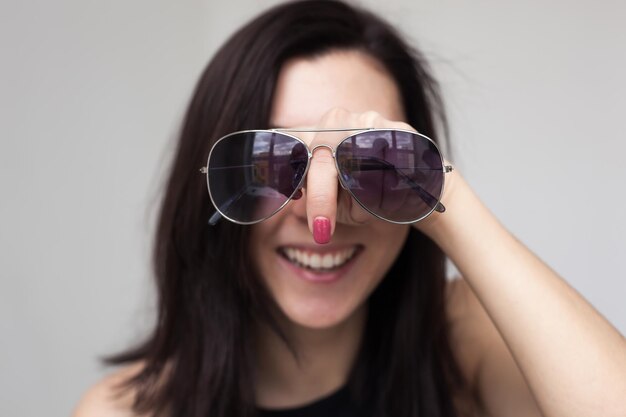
{"x": 321, "y": 230}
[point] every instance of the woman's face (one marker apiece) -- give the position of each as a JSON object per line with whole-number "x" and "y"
{"x": 320, "y": 286}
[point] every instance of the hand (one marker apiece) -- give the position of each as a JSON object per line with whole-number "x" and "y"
{"x": 454, "y": 185}
{"x": 324, "y": 198}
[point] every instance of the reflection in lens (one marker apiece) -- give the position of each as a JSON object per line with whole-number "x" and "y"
{"x": 396, "y": 175}
{"x": 252, "y": 174}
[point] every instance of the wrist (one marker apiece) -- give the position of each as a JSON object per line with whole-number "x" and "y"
{"x": 460, "y": 202}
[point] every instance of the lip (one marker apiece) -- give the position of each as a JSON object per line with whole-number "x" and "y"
{"x": 320, "y": 277}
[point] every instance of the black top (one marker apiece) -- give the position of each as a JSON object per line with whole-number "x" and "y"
{"x": 336, "y": 404}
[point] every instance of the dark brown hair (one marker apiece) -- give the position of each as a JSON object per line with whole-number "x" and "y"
{"x": 198, "y": 359}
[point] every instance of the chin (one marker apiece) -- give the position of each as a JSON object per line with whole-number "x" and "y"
{"x": 318, "y": 315}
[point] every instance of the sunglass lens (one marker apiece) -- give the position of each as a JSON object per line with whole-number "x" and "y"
{"x": 396, "y": 175}
{"x": 253, "y": 174}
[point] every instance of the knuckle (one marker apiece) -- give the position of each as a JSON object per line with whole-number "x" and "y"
{"x": 349, "y": 212}
{"x": 358, "y": 215}
{"x": 320, "y": 198}
{"x": 322, "y": 203}
{"x": 371, "y": 118}
{"x": 403, "y": 126}
{"x": 334, "y": 115}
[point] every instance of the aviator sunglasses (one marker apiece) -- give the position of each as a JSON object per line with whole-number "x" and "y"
{"x": 396, "y": 175}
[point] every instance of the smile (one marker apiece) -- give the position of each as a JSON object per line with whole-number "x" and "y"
{"x": 318, "y": 262}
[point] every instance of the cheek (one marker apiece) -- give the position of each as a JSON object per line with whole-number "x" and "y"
{"x": 389, "y": 241}
{"x": 264, "y": 240}
{"x": 261, "y": 248}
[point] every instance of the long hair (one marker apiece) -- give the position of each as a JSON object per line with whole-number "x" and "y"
{"x": 197, "y": 361}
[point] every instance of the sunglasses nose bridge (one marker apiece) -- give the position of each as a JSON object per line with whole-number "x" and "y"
{"x": 333, "y": 153}
{"x": 323, "y": 145}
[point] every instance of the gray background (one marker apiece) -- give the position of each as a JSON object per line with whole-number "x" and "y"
{"x": 92, "y": 93}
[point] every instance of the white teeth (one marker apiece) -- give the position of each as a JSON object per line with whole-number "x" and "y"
{"x": 328, "y": 261}
{"x": 316, "y": 261}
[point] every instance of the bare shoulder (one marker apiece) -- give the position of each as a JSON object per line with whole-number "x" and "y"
{"x": 104, "y": 399}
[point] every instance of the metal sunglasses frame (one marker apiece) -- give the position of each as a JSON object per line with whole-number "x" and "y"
{"x": 286, "y": 131}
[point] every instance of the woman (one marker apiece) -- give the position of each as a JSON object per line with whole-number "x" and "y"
{"x": 323, "y": 306}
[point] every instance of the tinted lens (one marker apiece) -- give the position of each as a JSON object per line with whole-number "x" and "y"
{"x": 253, "y": 174}
{"x": 396, "y": 175}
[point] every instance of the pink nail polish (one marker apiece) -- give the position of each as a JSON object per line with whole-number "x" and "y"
{"x": 321, "y": 230}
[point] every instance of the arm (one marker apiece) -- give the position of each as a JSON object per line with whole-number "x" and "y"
{"x": 496, "y": 386}
{"x": 573, "y": 360}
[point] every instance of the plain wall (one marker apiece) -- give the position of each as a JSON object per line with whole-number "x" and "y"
{"x": 92, "y": 94}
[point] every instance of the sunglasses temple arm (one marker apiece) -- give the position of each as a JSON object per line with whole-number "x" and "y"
{"x": 217, "y": 215}
{"x": 427, "y": 197}
{"x": 424, "y": 195}
{"x": 215, "y": 218}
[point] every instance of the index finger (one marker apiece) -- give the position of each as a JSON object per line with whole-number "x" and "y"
{"x": 321, "y": 204}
